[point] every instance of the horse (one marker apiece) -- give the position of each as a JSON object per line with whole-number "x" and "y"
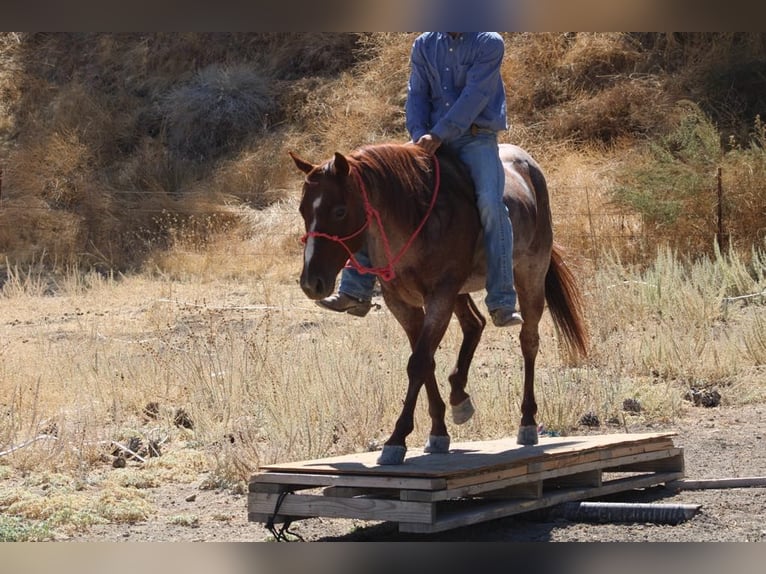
{"x": 416, "y": 213}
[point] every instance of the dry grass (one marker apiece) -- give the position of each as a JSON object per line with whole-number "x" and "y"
{"x": 115, "y": 135}
{"x": 212, "y": 325}
{"x": 264, "y": 375}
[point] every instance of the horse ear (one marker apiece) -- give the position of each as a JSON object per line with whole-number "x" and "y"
{"x": 341, "y": 165}
{"x": 302, "y": 165}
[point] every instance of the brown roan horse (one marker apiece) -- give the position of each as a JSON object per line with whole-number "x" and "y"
{"x": 417, "y": 215}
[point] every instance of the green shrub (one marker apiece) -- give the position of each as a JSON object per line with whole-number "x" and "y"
{"x": 674, "y": 189}
{"x": 14, "y": 529}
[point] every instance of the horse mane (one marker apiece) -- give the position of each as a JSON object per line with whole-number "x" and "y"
{"x": 406, "y": 172}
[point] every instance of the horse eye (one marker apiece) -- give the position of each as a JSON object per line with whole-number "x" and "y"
{"x": 339, "y": 212}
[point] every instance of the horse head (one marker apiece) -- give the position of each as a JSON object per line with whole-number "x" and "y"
{"x": 334, "y": 218}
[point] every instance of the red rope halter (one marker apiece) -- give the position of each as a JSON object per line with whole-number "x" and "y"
{"x": 387, "y": 272}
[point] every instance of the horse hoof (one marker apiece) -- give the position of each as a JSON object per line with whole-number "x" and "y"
{"x": 527, "y": 435}
{"x": 437, "y": 444}
{"x": 392, "y": 454}
{"x": 462, "y": 413}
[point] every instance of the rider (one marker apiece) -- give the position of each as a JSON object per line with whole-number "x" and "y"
{"x": 456, "y": 98}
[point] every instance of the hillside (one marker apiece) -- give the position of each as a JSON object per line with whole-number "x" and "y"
{"x": 115, "y": 147}
{"x": 156, "y": 348}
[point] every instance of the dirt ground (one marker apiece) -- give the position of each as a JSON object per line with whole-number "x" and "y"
{"x": 719, "y": 442}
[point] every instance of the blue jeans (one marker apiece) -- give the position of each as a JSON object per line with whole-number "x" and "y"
{"x": 480, "y": 154}
{"x": 355, "y": 284}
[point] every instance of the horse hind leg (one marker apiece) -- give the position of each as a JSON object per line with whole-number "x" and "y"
{"x": 472, "y": 323}
{"x": 532, "y": 310}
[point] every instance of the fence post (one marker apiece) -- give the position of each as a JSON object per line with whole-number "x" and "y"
{"x": 721, "y": 238}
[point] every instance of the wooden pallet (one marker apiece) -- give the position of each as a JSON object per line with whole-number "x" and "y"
{"x": 474, "y": 482}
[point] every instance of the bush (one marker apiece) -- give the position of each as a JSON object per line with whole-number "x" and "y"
{"x": 217, "y": 111}
{"x": 625, "y": 110}
{"x": 673, "y": 190}
{"x": 744, "y": 172}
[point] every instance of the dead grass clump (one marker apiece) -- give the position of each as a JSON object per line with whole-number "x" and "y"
{"x": 217, "y": 110}
{"x": 151, "y": 169}
{"x": 529, "y": 72}
{"x": 53, "y": 168}
{"x": 355, "y": 108}
{"x": 742, "y": 174}
{"x": 10, "y": 90}
{"x": 722, "y": 72}
{"x": 583, "y": 87}
{"x": 334, "y": 116}
{"x": 30, "y": 232}
{"x": 597, "y": 60}
{"x": 292, "y": 55}
{"x": 256, "y": 175}
{"x": 625, "y": 109}
{"x": 384, "y": 74}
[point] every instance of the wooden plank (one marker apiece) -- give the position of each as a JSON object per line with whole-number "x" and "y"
{"x": 479, "y": 487}
{"x": 601, "y": 464}
{"x": 665, "y": 464}
{"x": 483, "y": 477}
{"x": 483, "y": 511}
{"x": 307, "y": 480}
{"x": 558, "y": 457}
{"x": 305, "y": 505}
{"x": 528, "y": 490}
{"x": 351, "y": 492}
{"x": 587, "y": 478}
{"x": 603, "y": 454}
{"x": 715, "y": 483}
{"x": 274, "y": 488}
{"x": 469, "y": 457}
{"x": 435, "y": 492}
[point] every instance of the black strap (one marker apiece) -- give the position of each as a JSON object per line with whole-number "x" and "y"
{"x": 280, "y": 535}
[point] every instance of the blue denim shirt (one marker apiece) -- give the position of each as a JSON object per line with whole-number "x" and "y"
{"x": 455, "y": 82}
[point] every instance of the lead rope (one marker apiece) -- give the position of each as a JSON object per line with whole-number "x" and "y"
{"x": 280, "y": 535}
{"x": 387, "y": 273}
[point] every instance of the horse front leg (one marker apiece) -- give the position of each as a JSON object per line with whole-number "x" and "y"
{"x": 425, "y": 331}
{"x": 472, "y": 323}
{"x": 395, "y": 447}
{"x": 438, "y": 438}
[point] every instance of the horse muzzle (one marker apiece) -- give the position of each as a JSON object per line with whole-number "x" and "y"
{"x": 317, "y": 285}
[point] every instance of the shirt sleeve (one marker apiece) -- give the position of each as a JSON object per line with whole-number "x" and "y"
{"x": 418, "y": 105}
{"x": 482, "y": 80}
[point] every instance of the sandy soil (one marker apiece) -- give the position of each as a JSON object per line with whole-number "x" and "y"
{"x": 720, "y": 442}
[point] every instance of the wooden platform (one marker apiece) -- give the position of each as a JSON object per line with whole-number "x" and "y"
{"x": 474, "y": 482}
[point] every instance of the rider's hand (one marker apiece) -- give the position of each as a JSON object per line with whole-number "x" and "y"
{"x": 429, "y": 142}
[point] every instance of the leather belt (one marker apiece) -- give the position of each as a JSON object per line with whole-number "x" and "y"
{"x": 475, "y": 130}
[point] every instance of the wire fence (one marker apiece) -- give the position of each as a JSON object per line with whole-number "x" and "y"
{"x": 589, "y": 230}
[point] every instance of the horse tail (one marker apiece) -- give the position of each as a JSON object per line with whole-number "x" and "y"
{"x": 565, "y": 304}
